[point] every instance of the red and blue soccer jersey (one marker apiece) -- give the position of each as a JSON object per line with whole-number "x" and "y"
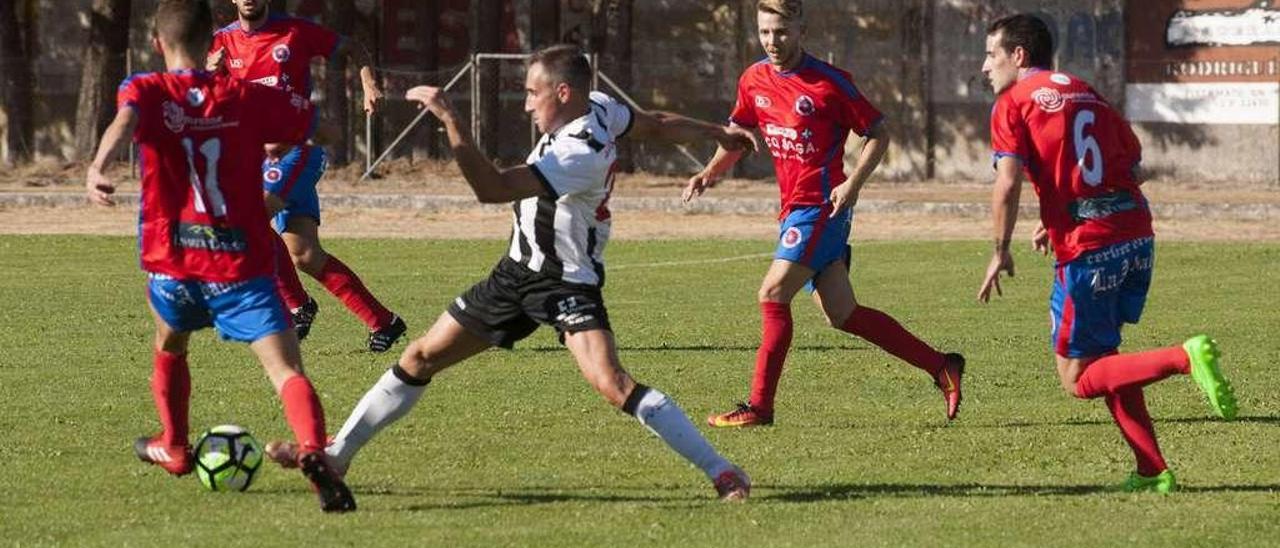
{"x": 805, "y": 115}
{"x": 1080, "y": 154}
{"x": 278, "y": 54}
{"x": 200, "y": 139}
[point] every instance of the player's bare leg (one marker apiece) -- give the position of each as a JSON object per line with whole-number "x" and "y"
{"x": 171, "y": 391}
{"x": 783, "y": 280}
{"x": 834, "y": 295}
{"x": 396, "y": 392}
{"x": 281, "y": 358}
{"x": 597, "y": 358}
{"x": 302, "y": 236}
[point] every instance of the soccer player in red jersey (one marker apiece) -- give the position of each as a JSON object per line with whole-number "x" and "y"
{"x": 1082, "y": 159}
{"x": 203, "y": 233}
{"x": 276, "y": 50}
{"x": 806, "y": 108}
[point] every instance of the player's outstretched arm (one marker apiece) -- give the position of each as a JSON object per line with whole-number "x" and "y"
{"x": 672, "y": 127}
{"x": 98, "y": 186}
{"x": 710, "y": 175}
{"x": 1004, "y": 214}
{"x": 877, "y": 143}
{"x": 490, "y": 184}
{"x": 359, "y": 55}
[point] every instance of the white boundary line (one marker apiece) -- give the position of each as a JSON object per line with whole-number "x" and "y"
{"x": 690, "y": 262}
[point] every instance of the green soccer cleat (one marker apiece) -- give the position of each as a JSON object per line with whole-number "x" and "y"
{"x": 1203, "y": 353}
{"x": 1163, "y": 483}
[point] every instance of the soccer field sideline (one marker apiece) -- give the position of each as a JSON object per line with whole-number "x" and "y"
{"x": 516, "y": 450}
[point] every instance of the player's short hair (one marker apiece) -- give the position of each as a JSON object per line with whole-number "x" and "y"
{"x": 1028, "y": 32}
{"x": 791, "y": 10}
{"x": 564, "y": 63}
{"x": 188, "y": 23}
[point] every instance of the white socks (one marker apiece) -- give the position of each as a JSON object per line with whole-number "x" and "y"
{"x": 664, "y": 418}
{"x": 391, "y": 398}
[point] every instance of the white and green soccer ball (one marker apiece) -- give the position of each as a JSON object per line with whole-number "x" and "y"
{"x": 227, "y": 458}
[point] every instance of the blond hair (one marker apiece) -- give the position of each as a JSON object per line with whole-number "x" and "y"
{"x": 791, "y": 10}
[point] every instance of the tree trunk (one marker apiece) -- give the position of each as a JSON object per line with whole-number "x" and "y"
{"x": 544, "y": 23}
{"x": 103, "y": 68}
{"x": 340, "y": 17}
{"x": 16, "y": 39}
{"x": 613, "y": 43}
{"x": 487, "y": 23}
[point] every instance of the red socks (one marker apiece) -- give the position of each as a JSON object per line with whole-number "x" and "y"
{"x": 287, "y": 283}
{"x": 303, "y": 412}
{"x": 171, "y": 388}
{"x": 775, "y": 340}
{"x": 1113, "y": 374}
{"x": 347, "y": 287}
{"x": 882, "y": 330}
{"x": 1129, "y": 409}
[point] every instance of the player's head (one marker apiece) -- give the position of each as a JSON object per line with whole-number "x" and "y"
{"x": 780, "y": 25}
{"x": 1016, "y": 43}
{"x": 184, "y": 26}
{"x": 556, "y": 86}
{"x": 251, "y": 10}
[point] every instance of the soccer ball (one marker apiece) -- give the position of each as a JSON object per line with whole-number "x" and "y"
{"x": 227, "y": 458}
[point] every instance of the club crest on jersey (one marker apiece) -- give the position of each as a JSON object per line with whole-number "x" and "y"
{"x": 280, "y": 53}
{"x": 804, "y": 105}
{"x": 1048, "y": 99}
{"x": 273, "y": 175}
{"x": 791, "y": 238}
{"x": 195, "y": 97}
{"x": 763, "y": 101}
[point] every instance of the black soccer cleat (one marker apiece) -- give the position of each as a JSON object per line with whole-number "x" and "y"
{"x": 304, "y": 316}
{"x": 382, "y": 339}
{"x": 333, "y": 492}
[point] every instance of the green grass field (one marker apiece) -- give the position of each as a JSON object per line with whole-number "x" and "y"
{"x": 513, "y": 448}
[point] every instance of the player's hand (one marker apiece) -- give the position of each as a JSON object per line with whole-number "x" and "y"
{"x": 432, "y": 99}
{"x": 698, "y": 184}
{"x": 1001, "y": 260}
{"x": 213, "y": 63}
{"x": 99, "y": 188}
{"x": 1040, "y": 240}
{"x": 734, "y": 138}
{"x": 843, "y": 197}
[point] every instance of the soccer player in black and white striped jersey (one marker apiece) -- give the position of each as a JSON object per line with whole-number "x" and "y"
{"x": 554, "y": 269}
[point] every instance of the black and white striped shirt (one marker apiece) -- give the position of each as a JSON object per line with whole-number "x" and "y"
{"x": 562, "y": 233}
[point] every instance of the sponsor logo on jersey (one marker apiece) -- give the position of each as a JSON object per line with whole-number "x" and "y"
{"x": 195, "y": 97}
{"x": 1060, "y": 79}
{"x": 791, "y": 237}
{"x": 804, "y": 105}
{"x": 177, "y": 120}
{"x": 1048, "y": 99}
{"x": 763, "y": 101}
{"x": 272, "y": 175}
{"x": 806, "y": 134}
{"x": 779, "y": 131}
{"x": 280, "y": 53}
{"x": 267, "y": 81}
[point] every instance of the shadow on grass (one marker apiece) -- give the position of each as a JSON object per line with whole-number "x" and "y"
{"x": 704, "y": 348}
{"x": 1253, "y": 419}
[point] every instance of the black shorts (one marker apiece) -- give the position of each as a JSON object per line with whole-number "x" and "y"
{"x": 508, "y": 305}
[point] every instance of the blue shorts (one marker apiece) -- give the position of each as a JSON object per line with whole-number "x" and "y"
{"x": 808, "y": 237}
{"x": 242, "y": 311}
{"x": 293, "y": 178}
{"x": 1096, "y": 294}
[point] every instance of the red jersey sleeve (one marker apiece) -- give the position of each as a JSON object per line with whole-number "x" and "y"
{"x": 319, "y": 40}
{"x": 853, "y": 110}
{"x": 281, "y": 116}
{"x": 131, "y": 94}
{"x": 744, "y": 110}
{"x": 1009, "y": 136}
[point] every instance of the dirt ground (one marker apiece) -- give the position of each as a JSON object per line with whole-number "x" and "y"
{"x": 437, "y": 179}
